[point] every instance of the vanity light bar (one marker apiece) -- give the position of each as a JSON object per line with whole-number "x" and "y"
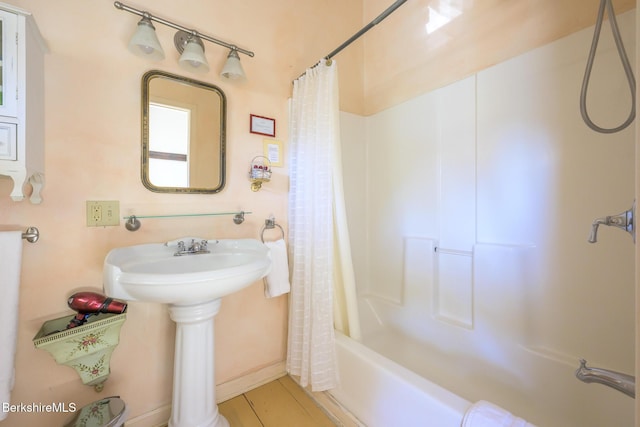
{"x": 144, "y": 14}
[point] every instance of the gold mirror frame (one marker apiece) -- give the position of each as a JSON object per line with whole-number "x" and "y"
{"x": 219, "y": 162}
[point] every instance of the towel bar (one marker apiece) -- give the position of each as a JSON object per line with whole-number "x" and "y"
{"x": 270, "y": 223}
{"x": 31, "y": 235}
{"x": 133, "y": 221}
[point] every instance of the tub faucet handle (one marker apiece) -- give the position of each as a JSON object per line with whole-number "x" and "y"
{"x": 624, "y": 220}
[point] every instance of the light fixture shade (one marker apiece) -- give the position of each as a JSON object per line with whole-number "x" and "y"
{"x": 192, "y": 58}
{"x": 145, "y": 43}
{"x": 233, "y": 68}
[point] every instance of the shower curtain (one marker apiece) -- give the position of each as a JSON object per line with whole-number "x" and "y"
{"x": 319, "y": 245}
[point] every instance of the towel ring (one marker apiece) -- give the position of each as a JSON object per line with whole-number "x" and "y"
{"x": 268, "y": 225}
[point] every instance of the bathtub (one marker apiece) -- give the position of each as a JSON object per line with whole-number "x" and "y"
{"x": 381, "y": 393}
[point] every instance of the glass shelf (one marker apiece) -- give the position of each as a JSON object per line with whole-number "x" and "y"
{"x": 133, "y": 221}
{"x": 188, "y": 215}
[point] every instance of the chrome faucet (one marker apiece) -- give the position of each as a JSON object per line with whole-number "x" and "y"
{"x": 624, "y": 221}
{"x": 195, "y": 248}
{"x": 617, "y": 380}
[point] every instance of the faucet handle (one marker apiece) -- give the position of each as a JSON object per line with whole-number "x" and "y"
{"x": 624, "y": 220}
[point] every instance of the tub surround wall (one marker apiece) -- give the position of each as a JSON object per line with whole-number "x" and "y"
{"x": 478, "y": 205}
{"x": 637, "y": 194}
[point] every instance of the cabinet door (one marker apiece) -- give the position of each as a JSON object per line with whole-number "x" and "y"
{"x": 8, "y": 64}
{"x": 8, "y": 142}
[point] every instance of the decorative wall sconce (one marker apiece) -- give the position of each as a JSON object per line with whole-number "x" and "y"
{"x": 192, "y": 52}
{"x": 188, "y": 42}
{"x": 259, "y": 172}
{"x": 233, "y": 68}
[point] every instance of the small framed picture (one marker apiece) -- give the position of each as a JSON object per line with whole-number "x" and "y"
{"x": 262, "y": 125}
{"x": 273, "y": 152}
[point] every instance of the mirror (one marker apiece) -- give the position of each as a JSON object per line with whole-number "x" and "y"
{"x": 183, "y": 134}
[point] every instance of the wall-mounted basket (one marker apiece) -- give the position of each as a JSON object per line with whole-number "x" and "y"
{"x": 259, "y": 172}
{"x": 86, "y": 348}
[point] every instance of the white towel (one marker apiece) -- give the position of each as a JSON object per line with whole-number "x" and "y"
{"x": 486, "y": 414}
{"x": 10, "y": 262}
{"x": 277, "y": 281}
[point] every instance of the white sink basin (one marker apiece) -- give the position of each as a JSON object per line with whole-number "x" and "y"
{"x": 193, "y": 286}
{"x": 152, "y": 273}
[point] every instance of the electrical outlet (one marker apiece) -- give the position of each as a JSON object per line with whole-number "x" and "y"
{"x": 96, "y": 213}
{"x": 103, "y": 213}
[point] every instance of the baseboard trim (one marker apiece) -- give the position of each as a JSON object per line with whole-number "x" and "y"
{"x": 340, "y": 415}
{"x": 225, "y": 391}
{"x": 236, "y": 387}
{"x": 156, "y": 418}
{"x": 332, "y": 408}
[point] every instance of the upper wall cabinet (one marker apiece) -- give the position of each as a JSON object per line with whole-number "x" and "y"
{"x": 22, "y": 52}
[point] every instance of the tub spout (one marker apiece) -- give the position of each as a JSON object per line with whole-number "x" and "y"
{"x": 617, "y": 380}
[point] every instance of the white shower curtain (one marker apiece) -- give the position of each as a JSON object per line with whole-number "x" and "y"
{"x": 314, "y": 166}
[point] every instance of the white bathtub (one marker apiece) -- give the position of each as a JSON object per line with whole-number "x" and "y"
{"x": 381, "y": 393}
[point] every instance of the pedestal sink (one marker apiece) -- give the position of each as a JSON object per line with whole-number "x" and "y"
{"x": 193, "y": 286}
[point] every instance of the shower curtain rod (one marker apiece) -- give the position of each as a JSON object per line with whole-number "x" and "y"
{"x": 364, "y": 29}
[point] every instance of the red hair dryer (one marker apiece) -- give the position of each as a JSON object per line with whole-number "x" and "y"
{"x": 89, "y": 303}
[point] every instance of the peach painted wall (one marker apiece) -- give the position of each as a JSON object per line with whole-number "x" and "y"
{"x": 92, "y": 105}
{"x": 402, "y": 60}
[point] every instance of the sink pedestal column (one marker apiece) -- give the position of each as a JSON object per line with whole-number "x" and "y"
{"x": 194, "y": 389}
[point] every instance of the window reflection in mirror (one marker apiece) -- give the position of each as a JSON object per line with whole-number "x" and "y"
{"x": 169, "y": 145}
{"x": 183, "y": 142}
